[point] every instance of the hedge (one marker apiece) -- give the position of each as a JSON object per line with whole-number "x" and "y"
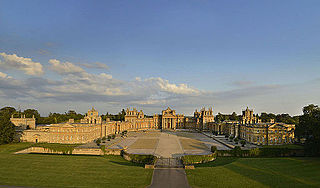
{"x": 103, "y": 148}
{"x": 64, "y": 148}
{"x": 195, "y": 159}
{"x": 261, "y": 152}
{"x": 137, "y": 158}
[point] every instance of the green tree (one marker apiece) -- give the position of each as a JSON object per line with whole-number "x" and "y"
{"x": 309, "y": 128}
{"x": 7, "y": 131}
{"x": 219, "y": 118}
{"x": 234, "y": 116}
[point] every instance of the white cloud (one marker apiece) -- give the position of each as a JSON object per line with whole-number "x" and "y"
{"x": 96, "y": 65}
{"x": 21, "y": 63}
{"x": 65, "y": 68}
{"x": 77, "y": 86}
{"x": 165, "y": 86}
{"x": 4, "y": 75}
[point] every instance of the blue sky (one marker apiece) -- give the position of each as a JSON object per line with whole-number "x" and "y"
{"x": 186, "y": 54}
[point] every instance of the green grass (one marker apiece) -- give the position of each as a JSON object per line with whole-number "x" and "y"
{"x": 290, "y": 146}
{"x": 67, "y": 170}
{"x": 256, "y": 172}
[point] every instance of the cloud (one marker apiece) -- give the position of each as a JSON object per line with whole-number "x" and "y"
{"x": 77, "y": 86}
{"x": 162, "y": 85}
{"x": 26, "y": 65}
{"x": 43, "y": 52}
{"x": 65, "y": 68}
{"x": 242, "y": 83}
{"x": 4, "y": 75}
{"x": 96, "y": 65}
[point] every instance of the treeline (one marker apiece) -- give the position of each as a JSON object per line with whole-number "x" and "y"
{"x": 117, "y": 117}
{"x": 265, "y": 117}
{"x": 53, "y": 118}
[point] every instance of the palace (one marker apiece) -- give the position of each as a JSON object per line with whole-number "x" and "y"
{"x": 252, "y": 130}
{"x": 23, "y": 122}
{"x": 92, "y": 127}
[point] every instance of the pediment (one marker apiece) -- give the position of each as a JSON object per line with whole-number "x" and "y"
{"x": 168, "y": 115}
{"x": 67, "y": 125}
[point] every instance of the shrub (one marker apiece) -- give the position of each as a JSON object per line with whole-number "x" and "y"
{"x": 194, "y": 159}
{"x": 98, "y": 141}
{"x": 261, "y": 152}
{"x": 243, "y": 143}
{"x": 104, "y": 138}
{"x": 64, "y": 148}
{"x": 213, "y": 149}
{"x": 237, "y": 151}
{"x": 103, "y": 148}
{"x": 109, "y": 137}
{"x": 142, "y": 159}
{"x": 255, "y": 152}
{"x": 113, "y": 136}
{"x": 236, "y": 140}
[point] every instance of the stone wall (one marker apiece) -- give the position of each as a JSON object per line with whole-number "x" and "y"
{"x": 76, "y": 151}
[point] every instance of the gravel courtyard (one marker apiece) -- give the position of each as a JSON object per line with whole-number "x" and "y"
{"x": 168, "y": 143}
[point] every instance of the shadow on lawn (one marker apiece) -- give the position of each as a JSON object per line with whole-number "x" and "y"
{"x": 127, "y": 163}
{"x": 220, "y": 161}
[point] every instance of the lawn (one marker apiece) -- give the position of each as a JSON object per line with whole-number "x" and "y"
{"x": 257, "y": 172}
{"x": 143, "y": 143}
{"x": 191, "y": 144}
{"x": 67, "y": 170}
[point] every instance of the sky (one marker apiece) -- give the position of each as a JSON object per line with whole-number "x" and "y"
{"x": 57, "y": 56}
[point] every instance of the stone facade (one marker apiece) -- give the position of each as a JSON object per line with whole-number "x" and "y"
{"x": 23, "y": 122}
{"x": 92, "y": 117}
{"x": 252, "y": 130}
{"x": 139, "y": 121}
{"x": 92, "y": 127}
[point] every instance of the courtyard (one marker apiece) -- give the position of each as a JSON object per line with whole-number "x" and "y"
{"x": 168, "y": 143}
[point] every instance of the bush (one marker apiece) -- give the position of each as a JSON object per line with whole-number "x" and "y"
{"x": 142, "y": 159}
{"x": 104, "y": 138}
{"x": 261, "y": 152}
{"x": 109, "y": 137}
{"x": 213, "y": 149}
{"x": 113, "y": 136}
{"x": 195, "y": 159}
{"x": 103, "y": 148}
{"x": 255, "y": 152}
{"x": 98, "y": 141}
{"x": 243, "y": 143}
{"x": 236, "y": 140}
{"x": 237, "y": 151}
{"x": 64, "y": 148}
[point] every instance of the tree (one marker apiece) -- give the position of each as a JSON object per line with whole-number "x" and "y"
{"x": 7, "y": 130}
{"x": 243, "y": 143}
{"x": 219, "y": 118}
{"x": 309, "y": 128}
{"x": 213, "y": 149}
{"x": 234, "y": 117}
{"x": 7, "y": 110}
{"x": 98, "y": 141}
{"x": 236, "y": 140}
